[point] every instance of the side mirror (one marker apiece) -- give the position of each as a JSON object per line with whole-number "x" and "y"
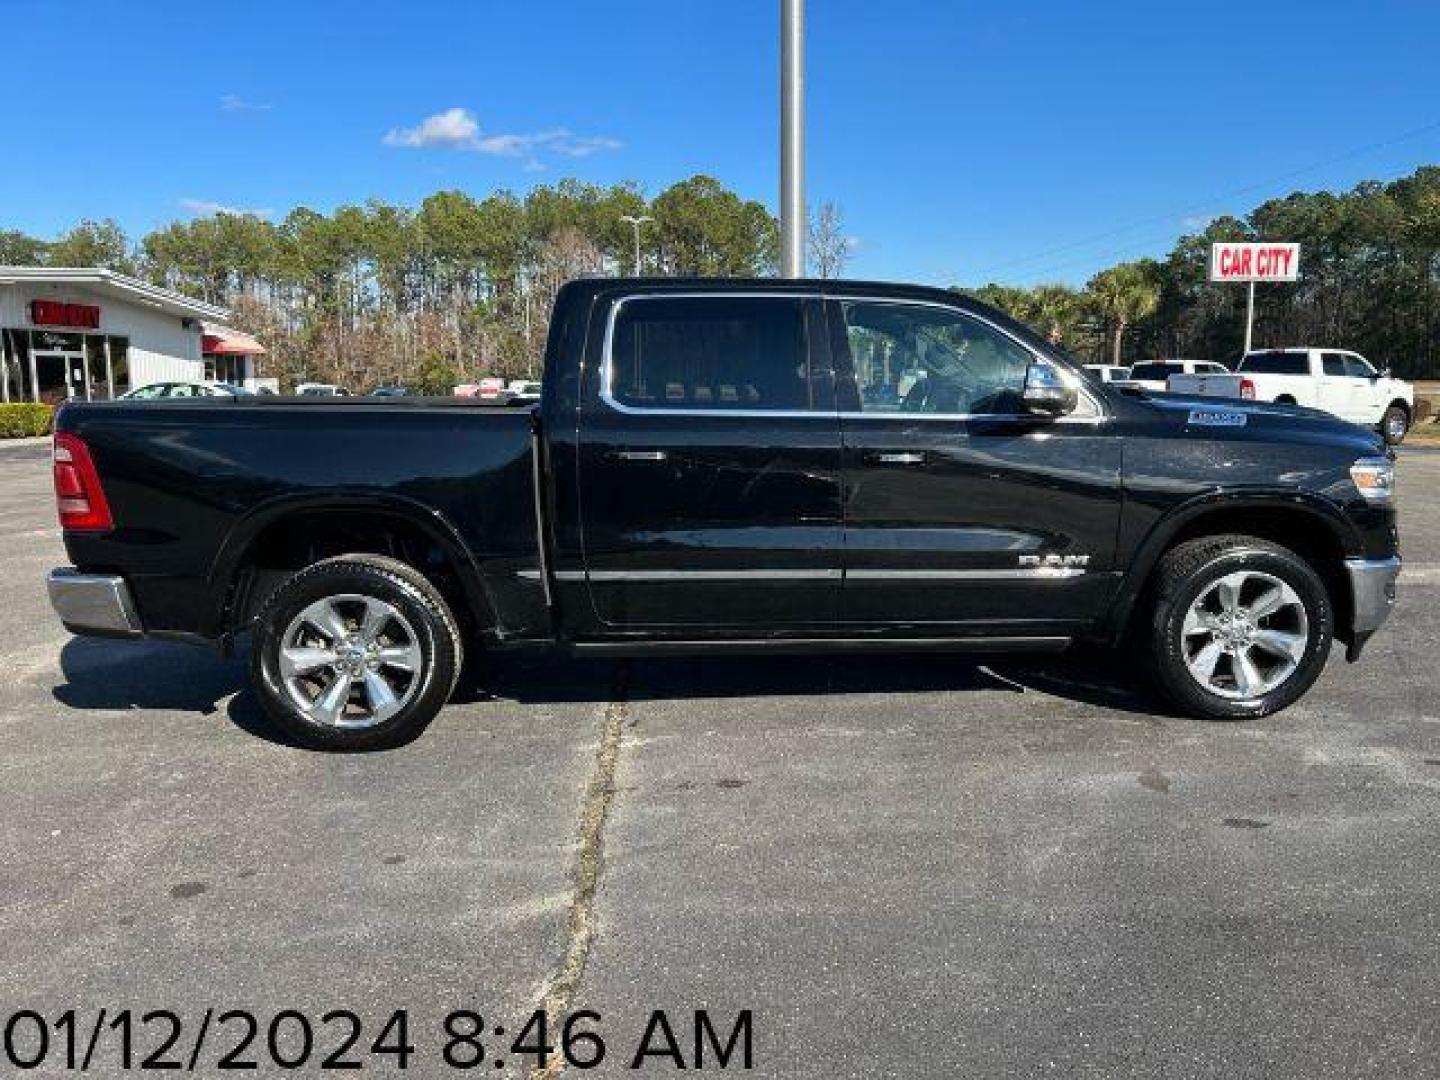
{"x": 1046, "y": 391}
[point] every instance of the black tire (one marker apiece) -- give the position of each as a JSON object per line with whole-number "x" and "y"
{"x": 422, "y": 612}
{"x": 1285, "y": 399}
{"x": 1184, "y": 575}
{"x": 1395, "y": 425}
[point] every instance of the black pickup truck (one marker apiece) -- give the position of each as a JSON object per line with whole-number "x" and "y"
{"x": 725, "y": 466}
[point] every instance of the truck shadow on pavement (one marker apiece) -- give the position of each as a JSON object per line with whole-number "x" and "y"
{"x": 152, "y": 675}
{"x": 1086, "y": 676}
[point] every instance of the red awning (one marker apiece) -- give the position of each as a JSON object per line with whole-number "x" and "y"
{"x": 225, "y": 342}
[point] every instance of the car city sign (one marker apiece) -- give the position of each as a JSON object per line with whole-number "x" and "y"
{"x": 1254, "y": 262}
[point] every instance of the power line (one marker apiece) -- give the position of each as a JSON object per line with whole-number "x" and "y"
{"x": 1210, "y": 202}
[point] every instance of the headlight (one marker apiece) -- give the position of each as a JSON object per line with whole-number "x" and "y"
{"x": 1375, "y": 478}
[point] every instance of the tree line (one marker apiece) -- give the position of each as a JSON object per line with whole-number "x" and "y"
{"x": 459, "y": 287}
{"x": 451, "y": 290}
{"x": 1369, "y": 269}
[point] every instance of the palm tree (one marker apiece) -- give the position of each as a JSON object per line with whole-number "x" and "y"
{"x": 1125, "y": 294}
{"x": 1054, "y": 310}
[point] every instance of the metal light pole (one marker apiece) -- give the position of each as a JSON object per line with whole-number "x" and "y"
{"x": 635, "y": 223}
{"x": 1250, "y": 317}
{"x": 792, "y": 138}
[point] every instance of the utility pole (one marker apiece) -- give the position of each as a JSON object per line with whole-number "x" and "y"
{"x": 792, "y": 138}
{"x": 635, "y": 223}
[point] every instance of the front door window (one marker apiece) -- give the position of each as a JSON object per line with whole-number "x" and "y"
{"x": 914, "y": 359}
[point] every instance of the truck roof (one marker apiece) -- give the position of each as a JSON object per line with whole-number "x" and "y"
{"x": 1303, "y": 349}
{"x": 582, "y": 290}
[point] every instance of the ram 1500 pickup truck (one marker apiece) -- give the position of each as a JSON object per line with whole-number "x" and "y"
{"x": 725, "y": 466}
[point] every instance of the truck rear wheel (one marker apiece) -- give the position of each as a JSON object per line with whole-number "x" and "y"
{"x": 357, "y": 652}
{"x": 1241, "y": 627}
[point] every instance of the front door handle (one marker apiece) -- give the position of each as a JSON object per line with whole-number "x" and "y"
{"x": 640, "y": 455}
{"x": 897, "y": 457}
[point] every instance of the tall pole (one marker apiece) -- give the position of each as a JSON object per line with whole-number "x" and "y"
{"x": 792, "y": 138}
{"x": 635, "y": 223}
{"x": 1250, "y": 317}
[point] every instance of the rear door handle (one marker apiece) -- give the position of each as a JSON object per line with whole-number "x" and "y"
{"x": 897, "y": 457}
{"x": 640, "y": 455}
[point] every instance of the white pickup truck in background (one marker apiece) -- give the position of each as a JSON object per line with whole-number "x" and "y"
{"x": 1228, "y": 385}
{"x": 1335, "y": 380}
{"x": 1154, "y": 375}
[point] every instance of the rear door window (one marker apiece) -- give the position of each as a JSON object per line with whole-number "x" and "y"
{"x": 712, "y": 353}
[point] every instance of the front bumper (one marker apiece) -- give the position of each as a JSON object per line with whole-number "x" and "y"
{"x": 1372, "y": 595}
{"x": 95, "y": 604}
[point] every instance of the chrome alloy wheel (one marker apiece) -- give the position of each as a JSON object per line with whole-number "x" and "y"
{"x": 350, "y": 661}
{"x": 1244, "y": 635}
{"x": 1395, "y": 425}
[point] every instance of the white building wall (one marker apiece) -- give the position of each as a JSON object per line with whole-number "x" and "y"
{"x": 162, "y": 349}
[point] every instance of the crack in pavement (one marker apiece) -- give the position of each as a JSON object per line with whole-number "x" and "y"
{"x": 594, "y": 811}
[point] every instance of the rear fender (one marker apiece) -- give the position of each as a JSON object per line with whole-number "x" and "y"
{"x": 225, "y": 572}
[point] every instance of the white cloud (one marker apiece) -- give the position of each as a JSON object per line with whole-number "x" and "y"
{"x": 453, "y": 127}
{"x": 235, "y": 103}
{"x": 457, "y": 129}
{"x": 205, "y": 207}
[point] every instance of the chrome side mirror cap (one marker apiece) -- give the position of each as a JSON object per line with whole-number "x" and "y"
{"x": 1047, "y": 391}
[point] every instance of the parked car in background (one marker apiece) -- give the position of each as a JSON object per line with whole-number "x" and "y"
{"x": 1108, "y": 372}
{"x": 318, "y": 389}
{"x": 524, "y": 391}
{"x": 1340, "y": 382}
{"x": 1155, "y": 375}
{"x": 392, "y": 391}
{"x": 490, "y": 389}
{"x": 185, "y": 390}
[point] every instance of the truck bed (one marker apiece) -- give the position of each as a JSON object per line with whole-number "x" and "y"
{"x": 193, "y": 483}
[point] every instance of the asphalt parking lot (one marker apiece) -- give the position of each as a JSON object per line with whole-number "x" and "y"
{"x": 903, "y": 867}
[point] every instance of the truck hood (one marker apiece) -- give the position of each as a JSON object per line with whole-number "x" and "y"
{"x": 1209, "y": 417}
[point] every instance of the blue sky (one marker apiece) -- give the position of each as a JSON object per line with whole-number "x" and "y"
{"x": 1017, "y": 141}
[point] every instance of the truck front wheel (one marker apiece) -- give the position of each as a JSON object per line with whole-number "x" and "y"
{"x": 1394, "y": 425}
{"x": 1241, "y": 627}
{"x": 357, "y": 652}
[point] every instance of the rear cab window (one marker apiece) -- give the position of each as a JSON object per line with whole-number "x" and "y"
{"x": 1155, "y": 372}
{"x": 1276, "y": 362}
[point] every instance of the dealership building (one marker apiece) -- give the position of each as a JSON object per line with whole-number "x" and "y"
{"x": 92, "y": 333}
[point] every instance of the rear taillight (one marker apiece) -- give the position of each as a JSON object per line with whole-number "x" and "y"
{"x": 78, "y": 494}
{"x": 1247, "y": 389}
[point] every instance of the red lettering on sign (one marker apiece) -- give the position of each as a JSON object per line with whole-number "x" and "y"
{"x": 57, "y": 313}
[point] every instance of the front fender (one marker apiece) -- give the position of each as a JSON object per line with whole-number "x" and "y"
{"x": 1183, "y": 517}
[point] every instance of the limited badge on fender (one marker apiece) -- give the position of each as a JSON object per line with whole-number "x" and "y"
{"x": 1217, "y": 418}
